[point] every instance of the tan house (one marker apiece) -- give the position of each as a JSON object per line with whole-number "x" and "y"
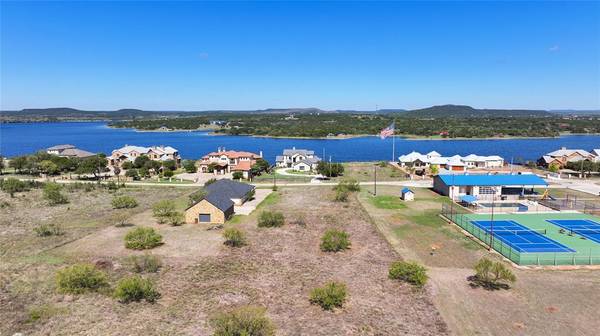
{"x": 154, "y": 153}
{"x": 562, "y": 156}
{"x": 68, "y": 151}
{"x": 223, "y": 161}
{"x": 219, "y": 203}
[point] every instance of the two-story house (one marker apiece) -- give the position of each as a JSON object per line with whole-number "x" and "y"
{"x": 154, "y": 153}
{"x": 228, "y": 161}
{"x": 298, "y": 159}
{"x": 562, "y": 156}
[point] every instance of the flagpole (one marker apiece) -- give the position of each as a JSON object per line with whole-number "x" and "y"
{"x": 393, "y": 147}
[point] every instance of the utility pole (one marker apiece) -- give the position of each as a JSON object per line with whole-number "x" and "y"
{"x": 492, "y": 222}
{"x": 375, "y": 180}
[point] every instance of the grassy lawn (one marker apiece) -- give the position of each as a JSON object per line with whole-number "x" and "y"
{"x": 563, "y": 192}
{"x": 364, "y": 171}
{"x": 387, "y": 202}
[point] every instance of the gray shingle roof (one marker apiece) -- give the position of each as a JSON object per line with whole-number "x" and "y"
{"x": 220, "y": 201}
{"x": 299, "y": 151}
{"x": 230, "y": 189}
{"x": 60, "y": 147}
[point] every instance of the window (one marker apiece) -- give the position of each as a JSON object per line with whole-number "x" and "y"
{"x": 487, "y": 190}
{"x": 204, "y": 218}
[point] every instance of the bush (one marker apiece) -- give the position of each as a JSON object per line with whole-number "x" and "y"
{"x": 45, "y": 230}
{"x": 175, "y": 219}
{"x": 136, "y": 288}
{"x": 246, "y": 321}
{"x": 190, "y": 166}
{"x": 146, "y": 263}
{"x": 234, "y": 237}
{"x": 12, "y": 185}
{"x": 168, "y": 173}
{"x": 124, "y": 202}
{"x": 349, "y": 185}
{"x": 330, "y": 296}
{"x": 492, "y": 275}
{"x": 80, "y": 278}
{"x": 142, "y": 238}
{"x": 162, "y": 210}
{"x": 52, "y": 193}
{"x": 334, "y": 240}
{"x": 133, "y": 173}
{"x": 196, "y": 197}
{"x": 270, "y": 219}
{"x": 341, "y": 196}
{"x": 237, "y": 175}
{"x": 410, "y": 272}
{"x": 210, "y": 181}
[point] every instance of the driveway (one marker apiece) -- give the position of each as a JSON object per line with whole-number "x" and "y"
{"x": 284, "y": 171}
{"x": 248, "y": 207}
{"x": 201, "y": 178}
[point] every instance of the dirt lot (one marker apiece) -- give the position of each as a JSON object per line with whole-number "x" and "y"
{"x": 201, "y": 276}
{"x": 542, "y": 302}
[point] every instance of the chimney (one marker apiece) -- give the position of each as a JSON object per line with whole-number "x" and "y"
{"x": 260, "y": 153}
{"x": 563, "y": 148}
{"x": 294, "y": 148}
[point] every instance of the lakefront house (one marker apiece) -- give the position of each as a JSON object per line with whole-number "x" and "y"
{"x": 68, "y": 151}
{"x": 298, "y": 159}
{"x": 154, "y": 153}
{"x": 563, "y": 156}
{"x": 228, "y": 161}
{"x": 453, "y": 163}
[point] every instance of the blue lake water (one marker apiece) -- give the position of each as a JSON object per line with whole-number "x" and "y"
{"x": 24, "y": 138}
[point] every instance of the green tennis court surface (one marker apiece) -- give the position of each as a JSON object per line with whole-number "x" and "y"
{"x": 555, "y": 238}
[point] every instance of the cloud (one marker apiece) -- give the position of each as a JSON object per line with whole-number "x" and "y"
{"x": 554, "y": 48}
{"x": 203, "y": 55}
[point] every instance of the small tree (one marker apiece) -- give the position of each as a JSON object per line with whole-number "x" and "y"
{"x": 330, "y": 296}
{"x": 168, "y": 173}
{"x": 135, "y": 289}
{"x": 196, "y": 197}
{"x": 49, "y": 167}
{"x": 234, "y": 237}
{"x": 434, "y": 169}
{"x": 243, "y": 321}
{"x": 237, "y": 175}
{"x": 133, "y": 173}
{"x": 80, "y": 278}
{"x": 175, "y": 218}
{"x": 127, "y": 165}
{"x": 492, "y": 275}
{"x": 162, "y": 210}
{"x": 270, "y": 219}
{"x": 124, "y": 202}
{"x": 334, "y": 240}
{"x": 142, "y": 238}
{"x": 341, "y": 196}
{"x": 554, "y": 168}
{"x": 410, "y": 272}
{"x": 348, "y": 184}
{"x": 52, "y": 193}
{"x": 190, "y": 166}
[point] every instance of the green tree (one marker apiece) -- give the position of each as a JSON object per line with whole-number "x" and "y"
{"x": 18, "y": 163}
{"x": 196, "y": 197}
{"x": 169, "y": 164}
{"x": 243, "y": 321}
{"x": 2, "y": 164}
{"x": 434, "y": 169}
{"x": 330, "y": 296}
{"x": 49, "y": 167}
{"x": 190, "y": 166}
{"x": 80, "y": 278}
{"x": 127, "y": 165}
{"x": 167, "y": 173}
{"x": 12, "y": 185}
{"x": 162, "y": 210}
{"x": 331, "y": 169}
{"x": 92, "y": 165}
{"x": 410, "y": 272}
{"x": 554, "y": 168}
{"x": 133, "y": 173}
{"x": 142, "y": 238}
{"x": 141, "y": 161}
{"x": 260, "y": 166}
{"x": 238, "y": 175}
{"x": 492, "y": 275}
{"x": 135, "y": 289}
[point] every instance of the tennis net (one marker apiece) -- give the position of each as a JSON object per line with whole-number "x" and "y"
{"x": 514, "y": 232}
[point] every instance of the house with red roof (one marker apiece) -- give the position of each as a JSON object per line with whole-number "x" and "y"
{"x": 228, "y": 161}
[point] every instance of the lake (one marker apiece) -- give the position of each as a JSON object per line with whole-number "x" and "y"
{"x": 25, "y": 138}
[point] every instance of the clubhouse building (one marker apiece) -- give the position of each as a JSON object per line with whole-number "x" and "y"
{"x": 487, "y": 187}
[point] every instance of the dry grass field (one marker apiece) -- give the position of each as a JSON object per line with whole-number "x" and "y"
{"x": 541, "y": 302}
{"x": 200, "y": 275}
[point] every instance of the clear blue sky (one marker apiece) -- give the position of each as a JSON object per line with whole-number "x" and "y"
{"x": 334, "y": 55}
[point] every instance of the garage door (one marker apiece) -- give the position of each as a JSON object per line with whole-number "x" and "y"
{"x": 204, "y": 218}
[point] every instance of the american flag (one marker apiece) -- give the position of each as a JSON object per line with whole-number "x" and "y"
{"x": 386, "y": 132}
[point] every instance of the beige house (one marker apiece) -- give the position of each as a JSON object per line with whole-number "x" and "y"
{"x": 562, "y": 156}
{"x": 219, "y": 203}
{"x": 68, "y": 151}
{"x": 223, "y": 161}
{"x": 154, "y": 153}
{"x": 298, "y": 159}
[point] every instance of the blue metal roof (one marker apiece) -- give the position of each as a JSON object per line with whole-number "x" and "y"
{"x": 405, "y": 190}
{"x": 492, "y": 180}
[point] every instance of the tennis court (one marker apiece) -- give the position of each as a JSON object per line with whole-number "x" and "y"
{"x": 552, "y": 238}
{"x": 584, "y": 227}
{"x": 519, "y": 237}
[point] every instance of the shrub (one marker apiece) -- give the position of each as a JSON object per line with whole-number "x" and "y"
{"x": 175, "y": 219}
{"x": 111, "y": 185}
{"x": 330, "y": 296}
{"x": 270, "y": 219}
{"x": 45, "y": 230}
{"x": 133, "y": 173}
{"x": 334, "y": 240}
{"x": 246, "y": 321}
{"x": 196, "y": 197}
{"x": 80, "y": 278}
{"x": 124, "y": 202}
{"x": 410, "y": 272}
{"x": 349, "y": 185}
{"x": 43, "y": 312}
{"x": 168, "y": 173}
{"x": 210, "y": 181}
{"x": 146, "y": 263}
{"x": 142, "y": 238}
{"x": 190, "y": 166}
{"x": 237, "y": 175}
{"x": 274, "y": 188}
{"x": 341, "y": 196}
{"x": 162, "y": 210}
{"x": 12, "y": 185}
{"x": 136, "y": 288}
{"x": 234, "y": 237}
{"x": 52, "y": 193}
{"x": 492, "y": 275}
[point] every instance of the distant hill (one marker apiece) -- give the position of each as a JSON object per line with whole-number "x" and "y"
{"x": 464, "y": 111}
{"x": 576, "y": 112}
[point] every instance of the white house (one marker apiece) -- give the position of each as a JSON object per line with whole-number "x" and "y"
{"x": 298, "y": 159}
{"x": 453, "y": 163}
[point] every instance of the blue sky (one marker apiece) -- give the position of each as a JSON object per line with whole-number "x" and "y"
{"x": 331, "y": 55}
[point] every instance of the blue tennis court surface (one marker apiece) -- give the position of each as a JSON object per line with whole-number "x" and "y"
{"x": 519, "y": 237}
{"x": 584, "y": 227}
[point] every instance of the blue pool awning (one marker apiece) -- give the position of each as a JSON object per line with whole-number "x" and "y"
{"x": 468, "y": 199}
